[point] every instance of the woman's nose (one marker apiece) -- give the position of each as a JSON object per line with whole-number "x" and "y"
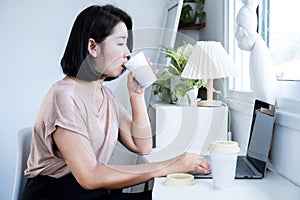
{"x": 127, "y": 55}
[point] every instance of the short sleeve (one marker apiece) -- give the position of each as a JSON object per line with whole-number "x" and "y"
{"x": 66, "y": 113}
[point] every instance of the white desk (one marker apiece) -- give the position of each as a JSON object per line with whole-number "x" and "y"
{"x": 271, "y": 187}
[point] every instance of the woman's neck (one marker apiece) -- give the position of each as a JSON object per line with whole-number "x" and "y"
{"x": 93, "y": 86}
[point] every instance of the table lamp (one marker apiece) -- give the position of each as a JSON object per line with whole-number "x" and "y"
{"x": 209, "y": 60}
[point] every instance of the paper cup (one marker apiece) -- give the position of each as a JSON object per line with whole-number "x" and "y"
{"x": 223, "y": 156}
{"x": 143, "y": 72}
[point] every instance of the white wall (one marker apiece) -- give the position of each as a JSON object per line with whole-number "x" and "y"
{"x": 214, "y": 28}
{"x": 33, "y": 37}
{"x": 285, "y": 151}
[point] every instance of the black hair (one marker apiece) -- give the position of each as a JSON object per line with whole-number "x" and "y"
{"x": 95, "y": 22}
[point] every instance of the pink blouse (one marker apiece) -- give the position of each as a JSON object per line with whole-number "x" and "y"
{"x": 70, "y": 105}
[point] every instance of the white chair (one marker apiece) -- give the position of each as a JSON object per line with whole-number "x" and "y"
{"x": 23, "y": 149}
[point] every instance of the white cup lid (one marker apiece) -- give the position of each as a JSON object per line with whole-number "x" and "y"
{"x": 179, "y": 179}
{"x": 224, "y": 146}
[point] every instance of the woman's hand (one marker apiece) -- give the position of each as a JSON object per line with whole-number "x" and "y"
{"x": 134, "y": 88}
{"x": 136, "y": 133}
{"x": 132, "y": 85}
{"x": 188, "y": 162}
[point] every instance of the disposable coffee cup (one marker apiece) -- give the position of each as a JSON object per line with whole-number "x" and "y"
{"x": 143, "y": 72}
{"x": 223, "y": 156}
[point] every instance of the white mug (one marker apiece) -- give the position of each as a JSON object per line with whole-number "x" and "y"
{"x": 143, "y": 72}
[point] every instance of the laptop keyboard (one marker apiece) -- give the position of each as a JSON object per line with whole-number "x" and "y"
{"x": 242, "y": 168}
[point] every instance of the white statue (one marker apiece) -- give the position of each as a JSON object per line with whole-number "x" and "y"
{"x": 261, "y": 68}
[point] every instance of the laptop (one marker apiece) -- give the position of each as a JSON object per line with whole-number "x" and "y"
{"x": 254, "y": 164}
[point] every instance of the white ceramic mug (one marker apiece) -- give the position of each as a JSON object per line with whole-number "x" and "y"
{"x": 143, "y": 72}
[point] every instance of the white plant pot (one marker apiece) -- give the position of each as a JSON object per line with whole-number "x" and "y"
{"x": 192, "y": 94}
{"x": 194, "y": 8}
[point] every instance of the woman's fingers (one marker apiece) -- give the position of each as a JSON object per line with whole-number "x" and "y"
{"x": 200, "y": 164}
{"x": 133, "y": 86}
{"x": 204, "y": 166}
{"x": 131, "y": 75}
{"x": 149, "y": 62}
{"x": 202, "y": 169}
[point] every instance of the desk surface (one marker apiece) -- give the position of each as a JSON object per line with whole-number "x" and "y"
{"x": 272, "y": 187}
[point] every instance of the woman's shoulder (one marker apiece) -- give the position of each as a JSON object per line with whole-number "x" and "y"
{"x": 63, "y": 86}
{"x": 61, "y": 89}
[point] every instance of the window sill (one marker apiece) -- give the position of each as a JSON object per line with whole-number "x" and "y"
{"x": 287, "y": 103}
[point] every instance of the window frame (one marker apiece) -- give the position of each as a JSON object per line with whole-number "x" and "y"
{"x": 287, "y": 90}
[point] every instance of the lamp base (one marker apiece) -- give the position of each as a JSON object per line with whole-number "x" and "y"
{"x": 209, "y": 103}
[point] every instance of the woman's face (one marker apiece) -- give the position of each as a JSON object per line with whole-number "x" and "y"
{"x": 113, "y": 52}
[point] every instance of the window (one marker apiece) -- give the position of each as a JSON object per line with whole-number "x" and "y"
{"x": 277, "y": 25}
{"x": 241, "y": 57}
{"x": 284, "y": 38}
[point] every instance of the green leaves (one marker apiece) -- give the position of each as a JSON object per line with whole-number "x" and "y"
{"x": 162, "y": 82}
{"x": 185, "y": 15}
{"x": 201, "y": 15}
{"x": 179, "y": 58}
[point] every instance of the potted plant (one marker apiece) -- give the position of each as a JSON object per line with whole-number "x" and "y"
{"x": 192, "y": 11}
{"x": 187, "y": 15}
{"x": 200, "y": 13}
{"x": 170, "y": 86}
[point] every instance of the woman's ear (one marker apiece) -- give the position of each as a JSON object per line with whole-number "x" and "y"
{"x": 92, "y": 47}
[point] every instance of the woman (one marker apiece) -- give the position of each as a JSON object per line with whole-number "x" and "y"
{"x": 80, "y": 121}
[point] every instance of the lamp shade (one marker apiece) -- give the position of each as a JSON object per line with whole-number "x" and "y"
{"x": 209, "y": 60}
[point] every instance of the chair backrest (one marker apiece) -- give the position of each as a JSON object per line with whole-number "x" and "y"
{"x": 23, "y": 149}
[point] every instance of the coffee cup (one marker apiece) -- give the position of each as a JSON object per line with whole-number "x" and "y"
{"x": 223, "y": 156}
{"x": 143, "y": 72}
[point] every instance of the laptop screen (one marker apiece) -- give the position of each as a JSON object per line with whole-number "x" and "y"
{"x": 261, "y": 134}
